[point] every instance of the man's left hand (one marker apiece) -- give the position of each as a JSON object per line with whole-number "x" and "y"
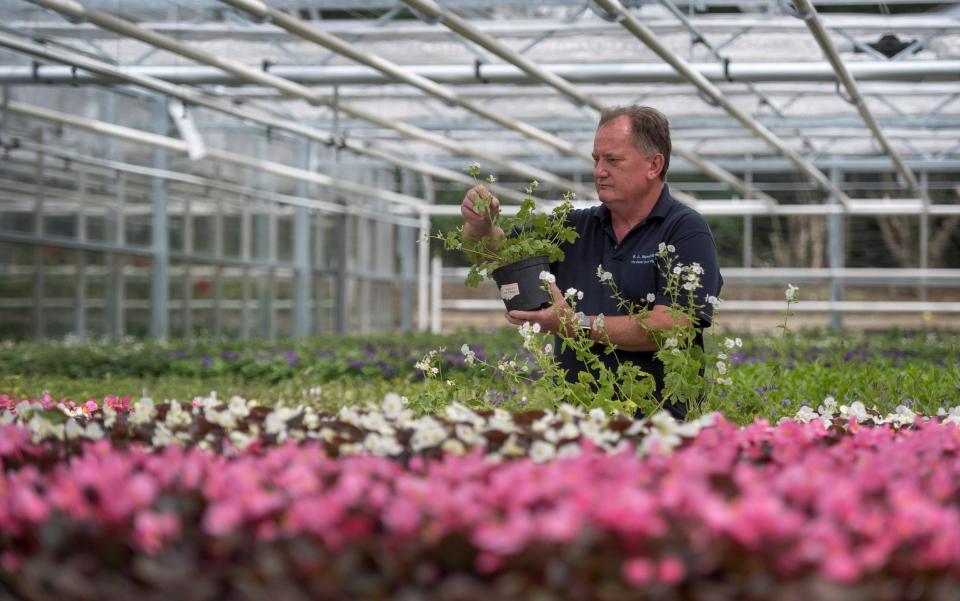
{"x": 549, "y": 318}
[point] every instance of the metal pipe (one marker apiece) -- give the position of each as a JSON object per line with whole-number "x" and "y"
{"x": 808, "y": 13}
{"x": 399, "y": 73}
{"x": 156, "y": 140}
{"x": 522, "y": 27}
{"x": 237, "y": 191}
{"x": 490, "y": 74}
{"x": 111, "y": 74}
{"x": 75, "y": 10}
{"x": 465, "y": 29}
{"x": 630, "y": 22}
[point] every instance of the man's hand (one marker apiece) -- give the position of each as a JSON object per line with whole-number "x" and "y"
{"x": 550, "y": 318}
{"x": 477, "y": 222}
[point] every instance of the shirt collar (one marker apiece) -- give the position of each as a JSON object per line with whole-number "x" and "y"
{"x": 660, "y": 210}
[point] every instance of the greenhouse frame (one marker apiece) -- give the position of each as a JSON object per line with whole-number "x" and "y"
{"x": 293, "y": 155}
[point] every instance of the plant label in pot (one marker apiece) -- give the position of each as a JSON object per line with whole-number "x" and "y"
{"x": 520, "y": 285}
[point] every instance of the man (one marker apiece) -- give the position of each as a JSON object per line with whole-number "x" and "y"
{"x": 631, "y": 153}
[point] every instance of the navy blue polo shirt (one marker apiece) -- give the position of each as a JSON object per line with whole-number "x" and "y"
{"x": 635, "y": 270}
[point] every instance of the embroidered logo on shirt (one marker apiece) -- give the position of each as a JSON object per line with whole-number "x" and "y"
{"x": 638, "y": 259}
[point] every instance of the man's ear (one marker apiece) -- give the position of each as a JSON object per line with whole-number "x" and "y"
{"x": 656, "y": 166}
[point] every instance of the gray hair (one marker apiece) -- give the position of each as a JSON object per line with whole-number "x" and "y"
{"x": 650, "y": 130}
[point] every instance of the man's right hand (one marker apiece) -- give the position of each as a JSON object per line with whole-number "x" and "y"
{"x": 478, "y": 223}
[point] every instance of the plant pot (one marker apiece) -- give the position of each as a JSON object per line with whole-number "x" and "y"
{"x": 520, "y": 285}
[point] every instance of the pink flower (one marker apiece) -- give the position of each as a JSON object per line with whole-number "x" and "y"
{"x": 26, "y": 504}
{"x": 504, "y": 537}
{"x": 90, "y": 406}
{"x": 402, "y": 517}
{"x": 152, "y": 531}
{"x": 670, "y": 570}
{"x": 222, "y": 518}
{"x": 638, "y": 571}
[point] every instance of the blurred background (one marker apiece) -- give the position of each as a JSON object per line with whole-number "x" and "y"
{"x": 247, "y": 169}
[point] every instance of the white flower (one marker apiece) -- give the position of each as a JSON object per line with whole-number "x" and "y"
{"x": 177, "y": 417}
{"x": 570, "y": 293}
{"x": 492, "y": 178}
{"x": 713, "y": 301}
{"x": 453, "y": 446}
{"x": 502, "y": 421}
{"x": 73, "y": 429}
{"x": 598, "y": 322}
{"x": 677, "y": 269}
{"x": 276, "y": 421}
{"x": 428, "y": 433}
{"x": 651, "y": 297}
{"x": 93, "y": 431}
{"x": 725, "y": 381}
{"x": 546, "y": 276}
{"x": 469, "y": 356}
{"x": 548, "y": 348}
{"x": 381, "y": 446}
{"x": 392, "y": 405}
{"x": 468, "y": 435}
{"x": 238, "y": 407}
{"x": 721, "y": 368}
{"x": 730, "y": 343}
{"x": 567, "y": 412}
{"x": 143, "y": 412}
{"x": 671, "y": 248}
{"x": 543, "y": 423}
{"x": 602, "y": 275}
{"x": 695, "y": 268}
{"x": 670, "y": 342}
{"x": 806, "y": 414}
{"x": 791, "y": 293}
{"x": 857, "y": 410}
{"x": 541, "y": 451}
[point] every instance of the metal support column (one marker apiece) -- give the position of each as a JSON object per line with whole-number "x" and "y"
{"x": 160, "y": 226}
{"x": 37, "y": 314}
{"x": 835, "y": 251}
{"x": 116, "y": 288}
{"x": 246, "y": 252}
{"x": 80, "y": 284}
{"x": 218, "y": 270}
{"x": 436, "y": 294}
{"x": 264, "y": 225}
{"x": 301, "y": 253}
{"x": 405, "y": 248}
{"x": 924, "y": 235}
{"x": 747, "y": 264}
{"x": 342, "y": 312}
{"x": 187, "y": 309}
{"x": 423, "y": 261}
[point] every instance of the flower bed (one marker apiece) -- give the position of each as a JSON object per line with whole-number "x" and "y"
{"x": 842, "y": 505}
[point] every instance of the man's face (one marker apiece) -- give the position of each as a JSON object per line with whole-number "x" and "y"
{"x": 621, "y": 173}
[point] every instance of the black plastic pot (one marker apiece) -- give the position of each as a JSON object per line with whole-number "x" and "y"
{"x": 520, "y": 285}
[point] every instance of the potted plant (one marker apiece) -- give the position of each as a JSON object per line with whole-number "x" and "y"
{"x": 515, "y": 261}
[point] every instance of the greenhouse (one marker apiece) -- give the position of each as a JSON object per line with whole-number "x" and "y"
{"x": 242, "y": 352}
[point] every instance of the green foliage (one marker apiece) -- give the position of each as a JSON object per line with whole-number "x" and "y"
{"x": 530, "y": 233}
{"x": 920, "y": 370}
